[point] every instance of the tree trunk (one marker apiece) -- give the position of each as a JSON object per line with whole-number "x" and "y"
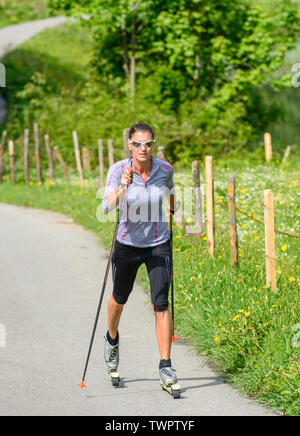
{"x": 197, "y": 68}
{"x": 125, "y": 52}
{"x": 132, "y": 63}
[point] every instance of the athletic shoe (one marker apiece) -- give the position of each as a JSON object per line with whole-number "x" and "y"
{"x": 111, "y": 355}
{"x": 168, "y": 376}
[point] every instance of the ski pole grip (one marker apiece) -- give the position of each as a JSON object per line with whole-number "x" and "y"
{"x": 131, "y": 174}
{"x": 172, "y": 205}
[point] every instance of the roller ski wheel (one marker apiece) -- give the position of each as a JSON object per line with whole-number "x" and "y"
{"x": 114, "y": 377}
{"x": 173, "y": 389}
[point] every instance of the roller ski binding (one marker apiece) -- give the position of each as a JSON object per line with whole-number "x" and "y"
{"x": 169, "y": 381}
{"x": 111, "y": 356}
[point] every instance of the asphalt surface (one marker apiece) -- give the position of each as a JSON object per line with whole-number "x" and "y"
{"x": 51, "y": 275}
{"x": 12, "y": 36}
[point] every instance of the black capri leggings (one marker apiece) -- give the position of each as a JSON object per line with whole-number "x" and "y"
{"x": 126, "y": 261}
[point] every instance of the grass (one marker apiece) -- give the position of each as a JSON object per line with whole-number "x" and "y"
{"x": 227, "y": 314}
{"x": 61, "y": 56}
{"x": 20, "y": 11}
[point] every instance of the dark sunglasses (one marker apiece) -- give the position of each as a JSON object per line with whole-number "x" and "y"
{"x": 138, "y": 144}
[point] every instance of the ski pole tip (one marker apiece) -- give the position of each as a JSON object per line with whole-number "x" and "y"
{"x": 82, "y": 385}
{"x": 174, "y": 338}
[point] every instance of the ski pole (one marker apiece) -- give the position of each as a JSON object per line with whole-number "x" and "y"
{"x": 82, "y": 384}
{"x": 174, "y": 336}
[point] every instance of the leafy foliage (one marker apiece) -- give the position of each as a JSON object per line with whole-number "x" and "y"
{"x": 198, "y": 63}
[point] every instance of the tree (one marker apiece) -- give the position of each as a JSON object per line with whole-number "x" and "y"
{"x": 120, "y": 33}
{"x": 201, "y": 62}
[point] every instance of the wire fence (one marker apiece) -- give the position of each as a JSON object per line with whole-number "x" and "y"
{"x": 108, "y": 154}
{"x": 248, "y": 215}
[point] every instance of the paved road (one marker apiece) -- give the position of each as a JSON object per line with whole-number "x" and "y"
{"x": 51, "y": 274}
{"x": 12, "y": 36}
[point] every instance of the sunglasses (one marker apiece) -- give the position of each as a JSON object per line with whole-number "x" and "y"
{"x": 138, "y": 144}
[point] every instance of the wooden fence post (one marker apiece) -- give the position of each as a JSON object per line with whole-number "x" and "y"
{"x": 286, "y": 153}
{"x": 86, "y": 159}
{"x": 26, "y": 156}
{"x": 101, "y": 162}
{"x": 77, "y": 157}
{"x": 161, "y": 153}
{"x": 111, "y": 158}
{"x": 2, "y": 154}
{"x": 12, "y": 161}
{"x": 58, "y": 156}
{"x": 50, "y": 157}
{"x": 197, "y": 198}
{"x": 268, "y": 146}
{"x": 232, "y": 221}
{"x": 37, "y": 152}
{"x": 127, "y": 152}
{"x": 269, "y": 238}
{"x": 210, "y": 205}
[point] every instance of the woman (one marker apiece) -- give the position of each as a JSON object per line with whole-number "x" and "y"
{"x": 142, "y": 238}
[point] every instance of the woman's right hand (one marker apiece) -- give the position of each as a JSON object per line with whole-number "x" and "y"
{"x": 127, "y": 177}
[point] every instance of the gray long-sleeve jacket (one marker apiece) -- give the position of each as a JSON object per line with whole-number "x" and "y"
{"x": 142, "y": 218}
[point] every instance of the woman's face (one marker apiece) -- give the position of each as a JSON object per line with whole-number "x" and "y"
{"x": 143, "y": 153}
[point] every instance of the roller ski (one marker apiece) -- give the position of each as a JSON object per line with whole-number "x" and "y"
{"x": 169, "y": 381}
{"x": 111, "y": 356}
{"x": 114, "y": 377}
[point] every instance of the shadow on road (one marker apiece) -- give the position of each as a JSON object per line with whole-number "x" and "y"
{"x": 216, "y": 381}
